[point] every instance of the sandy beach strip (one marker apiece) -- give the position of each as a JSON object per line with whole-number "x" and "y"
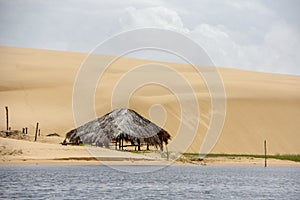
{"x": 21, "y": 152}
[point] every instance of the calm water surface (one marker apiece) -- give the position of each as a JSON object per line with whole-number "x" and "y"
{"x": 173, "y": 182}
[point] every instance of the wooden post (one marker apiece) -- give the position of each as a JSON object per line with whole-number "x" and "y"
{"x": 6, "y": 109}
{"x": 122, "y": 142}
{"x": 139, "y": 144}
{"x": 167, "y": 153}
{"x": 162, "y": 144}
{"x": 36, "y": 131}
{"x": 265, "y": 147}
{"x": 116, "y": 143}
{"x": 23, "y": 130}
{"x": 26, "y": 129}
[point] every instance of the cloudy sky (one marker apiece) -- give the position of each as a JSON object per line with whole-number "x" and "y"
{"x": 260, "y": 35}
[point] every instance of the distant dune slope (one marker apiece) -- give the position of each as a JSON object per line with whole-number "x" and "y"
{"x": 37, "y": 86}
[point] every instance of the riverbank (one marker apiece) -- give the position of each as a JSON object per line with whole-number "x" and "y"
{"x": 22, "y": 152}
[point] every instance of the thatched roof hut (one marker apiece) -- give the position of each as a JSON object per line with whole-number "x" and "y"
{"x": 118, "y": 125}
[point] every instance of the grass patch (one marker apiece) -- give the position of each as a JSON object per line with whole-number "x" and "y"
{"x": 189, "y": 157}
{"x": 295, "y": 158}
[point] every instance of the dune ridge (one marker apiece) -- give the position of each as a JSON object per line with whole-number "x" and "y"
{"x": 37, "y": 85}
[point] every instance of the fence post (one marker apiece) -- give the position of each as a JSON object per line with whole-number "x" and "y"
{"x": 7, "y": 125}
{"x": 36, "y": 131}
{"x": 265, "y": 147}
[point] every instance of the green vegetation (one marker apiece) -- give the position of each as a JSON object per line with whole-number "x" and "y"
{"x": 295, "y": 158}
{"x": 195, "y": 156}
{"x": 191, "y": 157}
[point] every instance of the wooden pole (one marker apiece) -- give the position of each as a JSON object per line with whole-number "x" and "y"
{"x": 139, "y": 144}
{"x": 26, "y": 129}
{"x": 36, "y": 131}
{"x": 265, "y": 147}
{"x": 162, "y": 144}
{"x": 167, "y": 153}
{"x": 122, "y": 142}
{"x": 6, "y": 109}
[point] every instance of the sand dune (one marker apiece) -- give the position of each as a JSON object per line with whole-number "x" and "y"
{"x": 37, "y": 86}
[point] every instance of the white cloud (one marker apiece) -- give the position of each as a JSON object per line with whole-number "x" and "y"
{"x": 217, "y": 42}
{"x": 276, "y": 52}
{"x": 151, "y": 17}
{"x": 283, "y": 42}
{"x": 247, "y": 34}
{"x": 255, "y": 6}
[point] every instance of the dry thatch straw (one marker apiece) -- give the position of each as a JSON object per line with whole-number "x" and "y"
{"x": 120, "y": 123}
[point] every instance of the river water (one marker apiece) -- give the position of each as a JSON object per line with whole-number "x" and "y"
{"x": 172, "y": 182}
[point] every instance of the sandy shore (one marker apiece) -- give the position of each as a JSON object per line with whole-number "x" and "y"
{"x": 20, "y": 152}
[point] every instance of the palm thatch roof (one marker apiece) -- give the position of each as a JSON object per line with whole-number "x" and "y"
{"x": 120, "y": 123}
